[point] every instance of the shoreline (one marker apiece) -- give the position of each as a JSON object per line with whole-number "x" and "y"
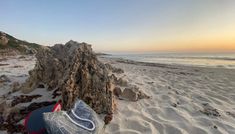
{"x": 184, "y": 99}
{"x": 163, "y": 65}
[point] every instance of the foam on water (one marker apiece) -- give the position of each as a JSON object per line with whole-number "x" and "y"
{"x": 226, "y": 60}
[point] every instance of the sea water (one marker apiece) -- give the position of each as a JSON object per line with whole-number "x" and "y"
{"x": 219, "y": 60}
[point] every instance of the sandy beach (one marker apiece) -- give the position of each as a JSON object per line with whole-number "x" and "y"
{"x": 117, "y": 67}
{"x": 14, "y": 71}
{"x": 184, "y": 100}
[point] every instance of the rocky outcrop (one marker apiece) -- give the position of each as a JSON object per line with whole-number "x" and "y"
{"x": 10, "y": 46}
{"x": 73, "y": 69}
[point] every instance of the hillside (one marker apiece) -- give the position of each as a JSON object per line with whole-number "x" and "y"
{"x": 9, "y": 45}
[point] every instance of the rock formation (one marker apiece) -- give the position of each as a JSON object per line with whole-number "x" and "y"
{"x": 74, "y": 69}
{"x": 133, "y": 94}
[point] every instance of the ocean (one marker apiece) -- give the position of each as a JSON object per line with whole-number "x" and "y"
{"x": 218, "y": 60}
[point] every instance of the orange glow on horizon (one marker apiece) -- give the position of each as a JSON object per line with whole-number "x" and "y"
{"x": 212, "y": 43}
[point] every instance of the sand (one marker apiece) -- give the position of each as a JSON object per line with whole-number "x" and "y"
{"x": 16, "y": 68}
{"x": 184, "y": 100}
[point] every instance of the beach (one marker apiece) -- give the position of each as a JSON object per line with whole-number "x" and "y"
{"x": 184, "y": 99}
{"x": 117, "y": 67}
{"x": 14, "y": 104}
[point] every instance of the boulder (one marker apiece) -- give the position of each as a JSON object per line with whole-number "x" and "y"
{"x": 73, "y": 69}
{"x": 133, "y": 94}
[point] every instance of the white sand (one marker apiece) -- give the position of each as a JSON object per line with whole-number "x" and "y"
{"x": 17, "y": 71}
{"x": 178, "y": 97}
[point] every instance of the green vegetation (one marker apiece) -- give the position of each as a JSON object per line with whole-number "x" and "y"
{"x": 19, "y": 45}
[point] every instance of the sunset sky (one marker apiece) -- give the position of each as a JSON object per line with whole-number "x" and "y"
{"x": 124, "y": 25}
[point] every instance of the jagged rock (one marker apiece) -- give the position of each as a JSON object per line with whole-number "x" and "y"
{"x": 74, "y": 69}
{"x": 108, "y": 118}
{"x": 133, "y": 94}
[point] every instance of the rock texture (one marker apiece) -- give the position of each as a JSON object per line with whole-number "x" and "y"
{"x": 133, "y": 94}
{"x": 73, "y": 69}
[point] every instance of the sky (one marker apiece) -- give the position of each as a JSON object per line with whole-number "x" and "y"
{"x": 124, "y": 25}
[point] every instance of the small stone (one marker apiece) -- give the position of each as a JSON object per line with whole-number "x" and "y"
{"x": 108, "y": 118}
{"x": 209, "y": 110}
{"x": 130, "y": 94}
{"x": 151, "y": 82}
{"x": 215, "y": 127}
{"x": 174, "y": 105}
{"x": 117, "y": 91}
{"x": 133, "y": 94}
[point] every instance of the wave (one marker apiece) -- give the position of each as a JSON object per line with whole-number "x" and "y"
{"x": 208, "y": 58}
